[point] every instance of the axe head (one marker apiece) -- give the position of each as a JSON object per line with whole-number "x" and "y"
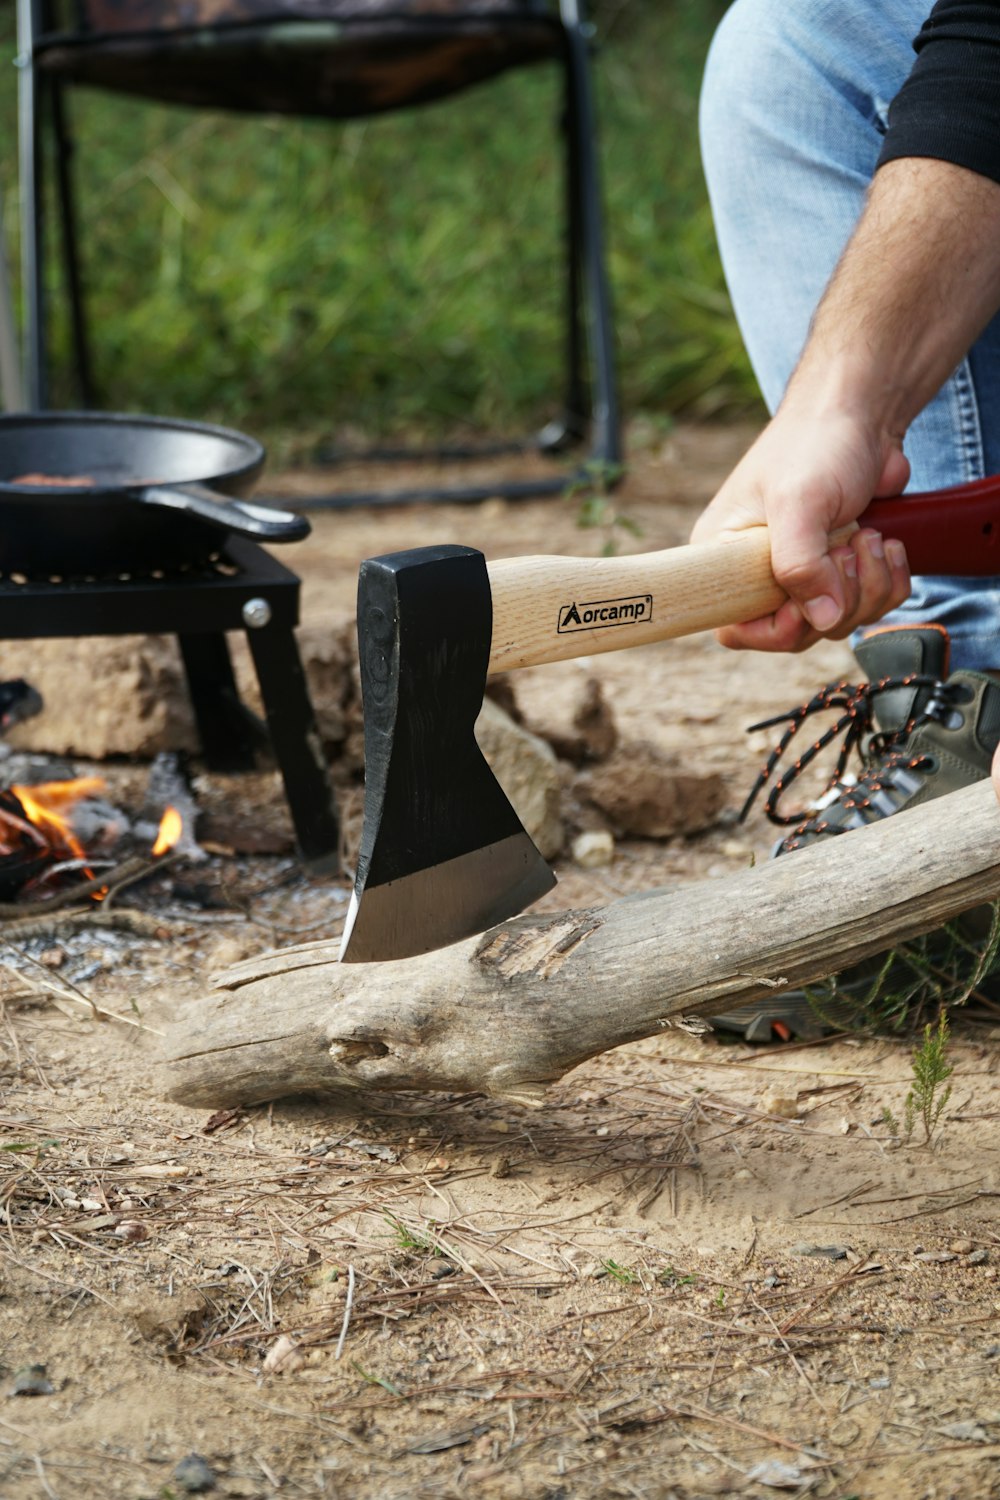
{"x": 443, "y": 854}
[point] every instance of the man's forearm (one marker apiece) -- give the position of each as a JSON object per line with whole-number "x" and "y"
{"x": 918, "y": 282}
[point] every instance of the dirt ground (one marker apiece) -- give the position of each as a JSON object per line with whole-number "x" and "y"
{"x": 700, "y": 1268}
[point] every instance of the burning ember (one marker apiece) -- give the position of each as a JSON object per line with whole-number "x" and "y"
{"x": 171, "y": 828}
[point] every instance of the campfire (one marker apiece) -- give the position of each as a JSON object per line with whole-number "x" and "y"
{"x": 41, "y": 848}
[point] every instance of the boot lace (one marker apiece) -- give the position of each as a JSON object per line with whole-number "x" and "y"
{"x": 882, "y": 753}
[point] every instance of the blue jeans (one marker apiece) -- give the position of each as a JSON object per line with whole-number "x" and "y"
{"x": 794, "y": 106}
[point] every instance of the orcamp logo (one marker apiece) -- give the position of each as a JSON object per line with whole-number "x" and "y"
{"x": 598, "y": 614}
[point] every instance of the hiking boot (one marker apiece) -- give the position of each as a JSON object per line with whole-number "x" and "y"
{"x": 920, "y": 734}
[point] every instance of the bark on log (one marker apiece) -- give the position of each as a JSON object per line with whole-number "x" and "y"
{"x": 511, "y": 1011}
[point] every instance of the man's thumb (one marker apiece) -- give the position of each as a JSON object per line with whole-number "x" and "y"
{"x": 809, "y": 575}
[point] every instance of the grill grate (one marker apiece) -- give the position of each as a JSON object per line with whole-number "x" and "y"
{"x": 246, "y": 589}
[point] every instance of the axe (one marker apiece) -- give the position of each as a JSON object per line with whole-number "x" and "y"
{"x": 443, "y": 854}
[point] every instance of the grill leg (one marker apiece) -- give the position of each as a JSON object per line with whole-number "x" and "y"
{"x": 296, "y": 743}
{"x": 225, "y": 726}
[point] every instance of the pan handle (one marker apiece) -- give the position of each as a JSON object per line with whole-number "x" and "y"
{"x": 241, "y": 517}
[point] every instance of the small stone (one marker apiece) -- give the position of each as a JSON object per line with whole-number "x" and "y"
{"x": 826, "y": 1252}
{"x": 592, "y": 850}
{"x": 32, "y": 1380}
{"x": 777, "y": 1475}
{"x": 284, "y": 1357}
{"x": 979, "y": 1257}
{"x": 781, "y": 1105}
{"x": 193, "y": 1475}
{"x": 962, "y": 1247}
{"x": 132, "y": 1231}
{"x": 52, "y": 958}
{"x": 646, "y": 793}
{"x": 934, "y": 1257}
{"x": 965, "y": 1432}
{"x": 880, "y": 1383}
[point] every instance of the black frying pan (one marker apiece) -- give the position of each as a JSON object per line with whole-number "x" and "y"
{"x": 163, "y": 494}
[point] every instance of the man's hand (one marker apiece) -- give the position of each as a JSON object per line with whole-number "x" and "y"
{"x": 916, "y": 285}
{"x": 807, "y": 477}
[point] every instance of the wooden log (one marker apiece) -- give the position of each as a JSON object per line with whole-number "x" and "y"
{"x": 511, "y": 1011}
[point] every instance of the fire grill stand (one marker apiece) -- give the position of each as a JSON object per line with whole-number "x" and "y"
{"x": 251, "y": 592}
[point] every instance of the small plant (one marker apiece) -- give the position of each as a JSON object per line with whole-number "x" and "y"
{"x": 938, "y": 970}
{"x": 372, "y": 1379}
{"x": 670, "y": 1277}
{"x": 597, "y": 509}
{"x": 412, "y": 1240}
{"x": 930, "y": 1091}
{"x": 720, "y": 1298}
{"x": 619, "y": 1273}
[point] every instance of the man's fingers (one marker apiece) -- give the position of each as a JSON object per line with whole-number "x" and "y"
{"x": 809, "y": 574}
{"x": 873, "y": 577}
{"x": 786, "y": 630}
{"x": 883, "y": 581}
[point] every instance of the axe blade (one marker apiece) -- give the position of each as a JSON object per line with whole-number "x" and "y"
{"x": 443, "y": 853}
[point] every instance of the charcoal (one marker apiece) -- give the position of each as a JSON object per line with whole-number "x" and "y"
{"x": 18, "y": 701}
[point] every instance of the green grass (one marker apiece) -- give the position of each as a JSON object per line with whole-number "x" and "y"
{"x": 401, "y": 273}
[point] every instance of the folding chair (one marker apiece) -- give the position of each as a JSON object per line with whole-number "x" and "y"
{"x": 339, "y": 59}
{"x": 11, "y": 390}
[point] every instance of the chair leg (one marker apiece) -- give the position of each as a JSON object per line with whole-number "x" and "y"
{"x": 70, "y": 247}
{"x": 586, "y": 226}
{"x": 11, "y": 390}
{"x": 30, "y": 111}
{"x": 569, "y": 429}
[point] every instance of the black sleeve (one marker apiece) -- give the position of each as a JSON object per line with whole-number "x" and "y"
{"x": 949, "y": 106}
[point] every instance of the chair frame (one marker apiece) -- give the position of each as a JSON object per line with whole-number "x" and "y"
{"x": 591, "y": 402}
{"x": 11, "y": 394}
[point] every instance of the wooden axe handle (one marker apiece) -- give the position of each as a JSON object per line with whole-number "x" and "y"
{"x": 553, "y": 608}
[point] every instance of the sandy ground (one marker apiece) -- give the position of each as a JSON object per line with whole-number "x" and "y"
{"x": 698, "y": 1269}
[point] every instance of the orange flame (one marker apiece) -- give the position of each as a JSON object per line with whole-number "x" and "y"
{"x": 45, "y": 805}
{"x": 171, "y": 828}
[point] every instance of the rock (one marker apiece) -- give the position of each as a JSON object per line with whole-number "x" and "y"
{"x": 646, "y": 793}
{"x": 500, "y": 689}
{"x": 32, "y": 1380}
{"x": 193, "y": 1475}
{"x": 528, "y": 771}
{"x": 591, "y": 733}
{"x": 780, "y": 1105}
{"x": 592, "y": 850}
{"x": 778, "y": 1475}
{"x": 167, "y": 1321}
{"x": 566, "y": 707}
{"x": 141, "y": 707}
{"x": 284, "y": 1357}
{"x": 962, "y": 1247}
{"x": 965, "y": 1432}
